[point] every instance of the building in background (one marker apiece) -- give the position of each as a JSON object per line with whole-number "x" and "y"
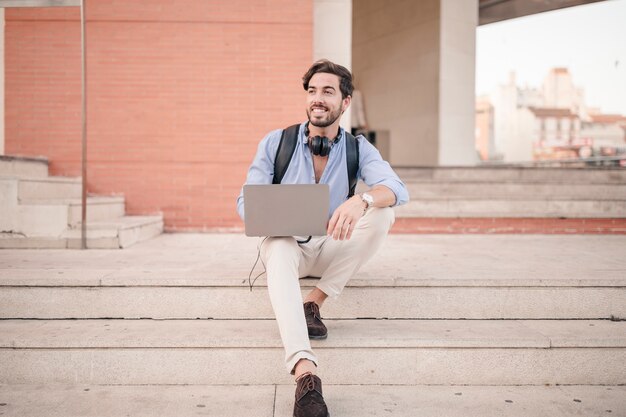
{"x": 607, "y": 132}
{"x": 550, "y": 122}
{"x": 559, "y": 92}
{"x": 485, "y": 145}
{"x": 555, "y": 133}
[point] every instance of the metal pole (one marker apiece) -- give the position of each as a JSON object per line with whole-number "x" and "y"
{"x": 83, "y": 227}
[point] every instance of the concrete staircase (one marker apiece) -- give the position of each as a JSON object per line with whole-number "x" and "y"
{"x": 39, "y": 211}
{"x": 497, "y": 192}
{"x": 434, "y": 323}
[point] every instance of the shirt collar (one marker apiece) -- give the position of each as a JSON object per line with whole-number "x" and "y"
{"x": 306, "y": 140}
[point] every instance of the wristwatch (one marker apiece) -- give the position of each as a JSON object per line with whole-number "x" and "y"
{"x": 368, "y": 199}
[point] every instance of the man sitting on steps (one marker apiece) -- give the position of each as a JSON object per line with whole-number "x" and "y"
{"x": 356, "y": 229}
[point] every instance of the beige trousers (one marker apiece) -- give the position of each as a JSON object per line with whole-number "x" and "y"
{"x": 334, "y": 261}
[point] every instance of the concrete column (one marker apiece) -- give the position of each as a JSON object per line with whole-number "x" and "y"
{"x": 414, "y": 63}
{"x": 332, "y": 36}
{"x": 457, "y": 81}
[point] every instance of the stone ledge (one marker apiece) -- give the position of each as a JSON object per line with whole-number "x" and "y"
{"x": 508, "y": 225}
{"x": 176, "y": 277}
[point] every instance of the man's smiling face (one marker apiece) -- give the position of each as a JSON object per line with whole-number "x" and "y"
{"x": 324, "y": 102}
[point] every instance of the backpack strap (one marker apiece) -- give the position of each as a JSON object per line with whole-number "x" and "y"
{"x": 286, "y": 148}
{"x": 352, "y": 162}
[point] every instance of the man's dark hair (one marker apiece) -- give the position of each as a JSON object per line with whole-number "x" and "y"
{"x": 324, "y": 65}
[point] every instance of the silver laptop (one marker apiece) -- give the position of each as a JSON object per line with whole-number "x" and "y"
{"x": 286, "y": 209}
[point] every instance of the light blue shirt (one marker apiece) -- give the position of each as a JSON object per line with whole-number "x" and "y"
{"x": 373, "y": 170}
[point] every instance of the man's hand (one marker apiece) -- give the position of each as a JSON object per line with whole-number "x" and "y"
{"x": 345, "y": 217}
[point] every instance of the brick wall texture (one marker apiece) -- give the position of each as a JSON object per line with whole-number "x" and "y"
{"x": 179, "y": 95}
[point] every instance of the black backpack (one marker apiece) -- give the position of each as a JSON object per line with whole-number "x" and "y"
{"x": 287, "y": 146}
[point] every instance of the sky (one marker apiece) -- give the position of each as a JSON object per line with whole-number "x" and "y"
{"x": 589, "y": 40}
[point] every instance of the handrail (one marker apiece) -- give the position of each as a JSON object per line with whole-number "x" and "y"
{"x": 39, "y": 3}
{"x": 83, "y": 226}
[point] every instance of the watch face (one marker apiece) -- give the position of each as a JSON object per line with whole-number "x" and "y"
{"x": 368, "y": 199}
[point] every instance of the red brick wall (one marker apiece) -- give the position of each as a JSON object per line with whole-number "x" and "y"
{"x": 179, "y": 94}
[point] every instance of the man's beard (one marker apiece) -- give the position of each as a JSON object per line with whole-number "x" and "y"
{"x": 331, "y": 118}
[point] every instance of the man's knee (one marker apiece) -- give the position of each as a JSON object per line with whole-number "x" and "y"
{"x": 379, "y": 219}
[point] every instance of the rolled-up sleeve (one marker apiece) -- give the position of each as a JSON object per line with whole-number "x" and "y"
{"x": 262, "y": 169}
{"x": 374, "y": 170}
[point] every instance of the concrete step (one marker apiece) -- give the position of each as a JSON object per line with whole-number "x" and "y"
{"x": 18, "y": 166}
{"x": 51, "y": 217}
{"x": 505, "y": 174}
{"x": 37, "y": 211}
{"x": 38, "y": 215}
{"x": 88, "y": 400}
{"x": 528, "y": 208}
{"x": 413, "y": 276}
{"x": 420, "y": 190}
{"x": 115, "y": 233}
{"x": 83, "y": 294}
{"x": 406, "y": 352}
{"x": 118, "y": 233}
{"x": 49, "y": 188}
{"x": 98, "y": 207}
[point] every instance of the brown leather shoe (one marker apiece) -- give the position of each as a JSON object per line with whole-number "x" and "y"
{"x": 314, "y": 324}
{"x": 309, "y": 400}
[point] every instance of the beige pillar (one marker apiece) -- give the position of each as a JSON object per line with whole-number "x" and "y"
{"x": 332, "y": 36}
{"x": 414, "y": 63}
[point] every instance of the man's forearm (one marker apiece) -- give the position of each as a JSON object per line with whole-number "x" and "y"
{"x": 382, "y": 195}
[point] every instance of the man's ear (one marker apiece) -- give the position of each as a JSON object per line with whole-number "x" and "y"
{"x": 346, "y": 103}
